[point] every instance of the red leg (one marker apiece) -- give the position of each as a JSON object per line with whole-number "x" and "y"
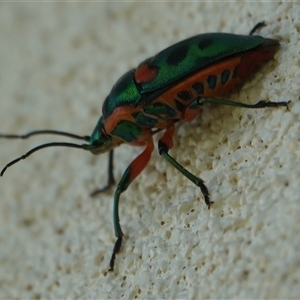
{"x": 134, "y": 169}
{"x": 140, "y": 163}
{"x": 167, "y": 138}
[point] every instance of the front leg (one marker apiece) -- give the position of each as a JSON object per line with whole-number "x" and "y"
{"x": 134, "y": 169}
{"x": 111, "y": 179}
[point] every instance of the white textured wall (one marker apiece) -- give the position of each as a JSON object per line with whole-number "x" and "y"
{"x": 58, "y": 61}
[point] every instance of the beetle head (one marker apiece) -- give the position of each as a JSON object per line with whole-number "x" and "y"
{"x": 100, "y": 141}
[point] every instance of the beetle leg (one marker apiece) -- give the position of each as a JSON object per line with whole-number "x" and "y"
{"x": 257, "y": 26}
{"x": 193, "y": 109}
{"x": 259, "y": 104}
{"x": 134, "y": 169}
{"x": 111, "y": 178}
{"x": 164, "y": 145}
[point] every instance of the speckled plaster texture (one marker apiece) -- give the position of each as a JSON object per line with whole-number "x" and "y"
{"x": 58, "y": 62}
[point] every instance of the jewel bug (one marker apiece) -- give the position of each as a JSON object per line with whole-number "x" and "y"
{"x": 164, "y": 89}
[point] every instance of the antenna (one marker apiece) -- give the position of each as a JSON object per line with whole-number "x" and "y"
{"x": 54, "y": 144}
{"x": 40, "y": 132}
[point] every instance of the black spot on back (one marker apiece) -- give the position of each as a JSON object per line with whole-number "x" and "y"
{"x": 205, "y": 43}
{"x": 178, "y": 55}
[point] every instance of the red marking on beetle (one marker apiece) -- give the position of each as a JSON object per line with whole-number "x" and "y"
{"x": 119, "y": 113}
{"x": 186, "y": 85}
{"x": 125, "y": 113}
{"x": 250, "y": 60}
{"x": 191, "y": 114}
{"x": 140, "y": 162}
{"x": 144, "y": 74}
{"x": 167, "y": 138}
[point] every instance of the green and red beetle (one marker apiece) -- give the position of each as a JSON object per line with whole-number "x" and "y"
{"x": 164, "y": 89}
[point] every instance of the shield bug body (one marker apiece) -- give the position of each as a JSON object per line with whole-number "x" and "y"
{"x": 164, "y": 89}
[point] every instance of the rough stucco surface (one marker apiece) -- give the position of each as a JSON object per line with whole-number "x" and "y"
{"x": 58, "y": 62}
